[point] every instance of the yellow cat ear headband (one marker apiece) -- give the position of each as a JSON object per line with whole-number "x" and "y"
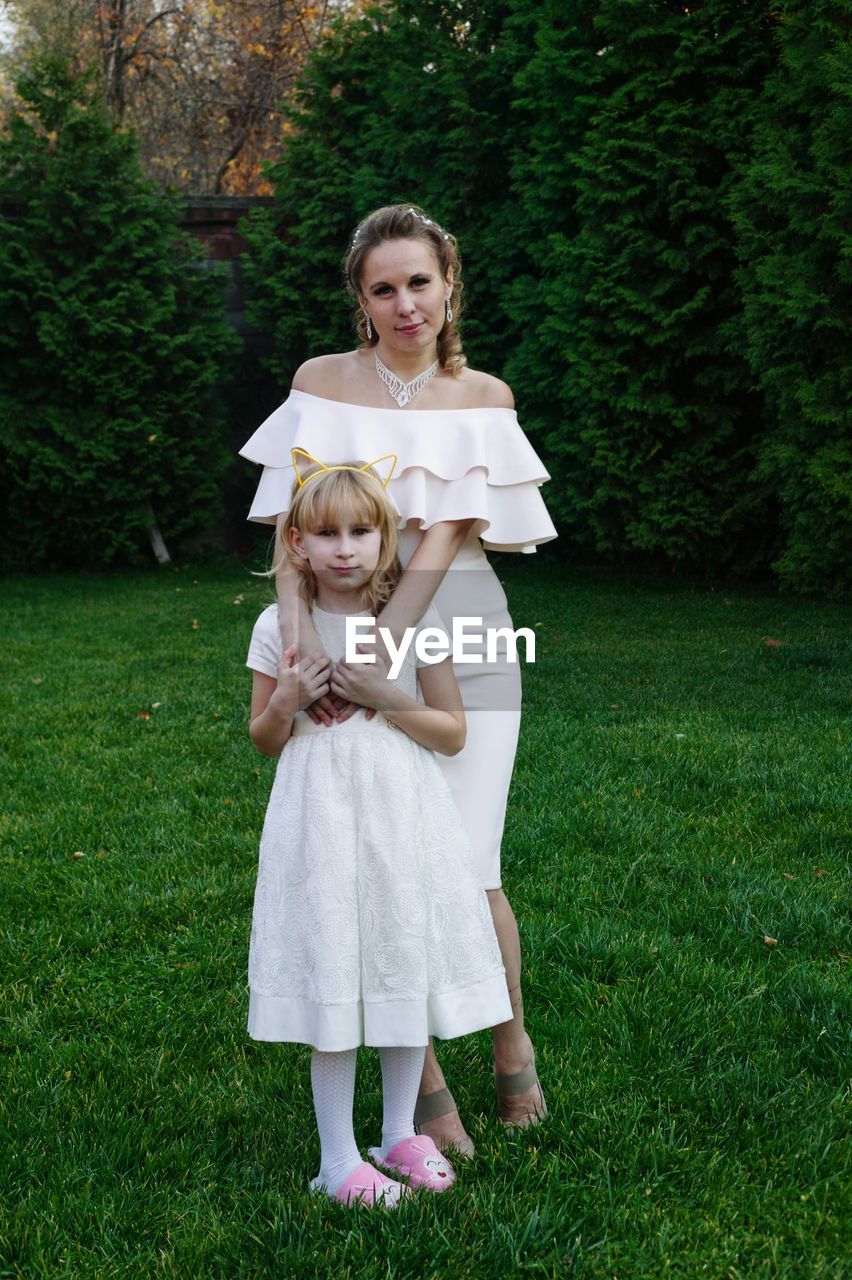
{"x": 301, "y": 458}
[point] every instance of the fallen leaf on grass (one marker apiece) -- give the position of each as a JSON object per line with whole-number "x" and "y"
{"x": 78, "y": 853}
{"x": 195, "y": 624}
{"x": 144, "y": 715}
{"x": 770, "y": 942}
{"x": 787, "y": 875}
{"x": 239, "y": 599}
{"x": 37, "y": 679}
{"x": 819, "y": 874}
{"x": 772, "y": 644}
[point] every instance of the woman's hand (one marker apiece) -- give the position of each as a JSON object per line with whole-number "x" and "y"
{"x": 301, "y": 681}
{"x": 296, "y": 628}
{"x": 323, "y": 709}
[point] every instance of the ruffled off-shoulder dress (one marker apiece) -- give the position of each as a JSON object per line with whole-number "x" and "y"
{"x": 453, "y": 464}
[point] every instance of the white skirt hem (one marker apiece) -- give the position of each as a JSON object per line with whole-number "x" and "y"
{"x": 403, "y": 1023}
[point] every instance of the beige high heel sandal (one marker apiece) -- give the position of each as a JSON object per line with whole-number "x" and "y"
{"x": 511, "y": 1085}
{"x": 431, "y": 1107}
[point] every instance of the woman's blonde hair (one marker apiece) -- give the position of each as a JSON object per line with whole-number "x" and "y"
{"x": 407, "y": 222}
{"x": 319, "y": 502}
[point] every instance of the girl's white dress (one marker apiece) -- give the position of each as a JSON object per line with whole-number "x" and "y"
{"x": 453, "y": 464}
{"x": 370, "y": 925}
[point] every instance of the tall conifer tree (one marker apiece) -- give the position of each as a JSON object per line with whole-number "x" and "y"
{"x": 552, "y": 93}
{"x": 111, "y": 342}
{"x": 652, "y": 417}
{"x": 793, "y": 214}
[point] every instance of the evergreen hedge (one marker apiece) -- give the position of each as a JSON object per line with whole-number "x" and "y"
{"x": 792, "y": 209}
{"x": 112, "y": 339}
{"x": 648, "y": 418}
{"x": 604, "y": 166}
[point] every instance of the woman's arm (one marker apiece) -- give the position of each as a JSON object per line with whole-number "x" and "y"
{"x": 297, "y": 628}
{"x": 441, "y": 543}
{"x": 274, "y": 702}
{"x": 294, "y": 616}
{"x": 423, "y": 576}
{"x": 438, "y": 725}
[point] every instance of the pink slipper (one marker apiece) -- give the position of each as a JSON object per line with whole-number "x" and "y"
{"x": 365, "y": 1188}
{"x": 419, "y": 1161}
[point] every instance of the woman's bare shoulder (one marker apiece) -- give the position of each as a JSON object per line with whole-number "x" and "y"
{"x": 325, "y": 375}
{"x": 484, "y": 391}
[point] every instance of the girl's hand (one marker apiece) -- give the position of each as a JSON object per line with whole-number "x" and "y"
{"x": 301, "y": 681}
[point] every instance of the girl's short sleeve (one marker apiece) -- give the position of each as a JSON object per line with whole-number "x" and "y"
{"x": 265, "y": 646}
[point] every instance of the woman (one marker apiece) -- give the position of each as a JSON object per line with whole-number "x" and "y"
{"x": 465, "y": 472}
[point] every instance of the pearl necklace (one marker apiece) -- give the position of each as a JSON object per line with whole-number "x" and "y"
{"x": 401, "y": 391}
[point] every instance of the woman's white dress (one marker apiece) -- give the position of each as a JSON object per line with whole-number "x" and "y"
{"x": 453, "y": 464}
{"x": 370, "y": 925}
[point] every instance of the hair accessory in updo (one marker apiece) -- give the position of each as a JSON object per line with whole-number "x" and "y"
{"x": 427, "y": 222}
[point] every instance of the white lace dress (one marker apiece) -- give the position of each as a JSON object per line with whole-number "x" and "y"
{"x": 369, "y": 924}
{"x": 453, "y": 464}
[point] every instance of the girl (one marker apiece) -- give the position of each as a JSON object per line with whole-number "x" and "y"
{"x": 467, "y": 478}
{"x": 369, "y": 924}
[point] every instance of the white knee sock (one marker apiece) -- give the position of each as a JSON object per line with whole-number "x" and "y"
{"x": 401, "y": 1072}
{"x": 333, "y": 1083}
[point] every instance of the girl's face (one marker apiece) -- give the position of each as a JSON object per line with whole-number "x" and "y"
{"x": 405, "y": 295}
{"x": 343, "y": 554}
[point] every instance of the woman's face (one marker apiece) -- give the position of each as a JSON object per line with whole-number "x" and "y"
{"x": 405, "y": 295}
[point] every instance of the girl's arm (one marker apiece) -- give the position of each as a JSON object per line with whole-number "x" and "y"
{"x": 438, "y": 725}
{"x": 274, "y": 702}
{"x": 423, "y": 575}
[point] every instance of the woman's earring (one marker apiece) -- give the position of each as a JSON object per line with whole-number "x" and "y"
{"x": 449, "y": 312}
{"x": 369, "y": 327}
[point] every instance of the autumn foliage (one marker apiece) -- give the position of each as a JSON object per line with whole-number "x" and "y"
{"x": 201, "y": 82}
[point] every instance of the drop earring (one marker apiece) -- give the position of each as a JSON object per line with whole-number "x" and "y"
{"x": 369, "y": 327}
{"x": 449, "y": 311}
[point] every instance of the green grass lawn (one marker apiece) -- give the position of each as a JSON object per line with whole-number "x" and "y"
{"x": 675, "y": 856}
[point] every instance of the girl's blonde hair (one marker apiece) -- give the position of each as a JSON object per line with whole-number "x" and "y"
{"x": 320, "y": 502}
{"x": 408, "y": 222}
